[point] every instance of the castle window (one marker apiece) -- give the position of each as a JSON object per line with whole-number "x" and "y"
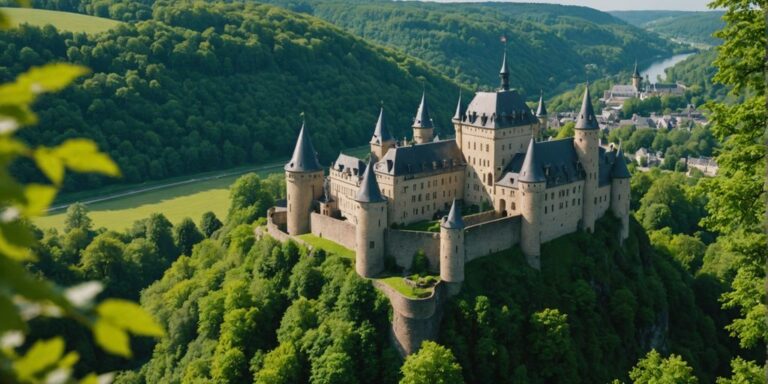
{"x": 513, "y": 206}
{"x": 371, "y": 245}
{"x": 413, "y": 199}
{"x": 595, "y": 200}
{"x": 619, "y": 198}
{"x": 545, "y": 209}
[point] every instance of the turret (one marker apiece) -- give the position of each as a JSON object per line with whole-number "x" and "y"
{"x": 533, "y": 184}
{"x": 423, "y": 131}
{"x": 541, "y": 114}
{"x": 636, "y": 78}
{"x": 371, "y": 223}
{"x": 382, "y": 140}
{"x": 458, "y": 118}
{"x": 504, "y": 72}
{"x": 620, "y": 192}
{"x": 587, "y": 141}
{"x": 304, "y": 183}
{"x": 452, "y": 247}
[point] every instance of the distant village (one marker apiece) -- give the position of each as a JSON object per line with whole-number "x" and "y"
{"x": 611, "y": 118}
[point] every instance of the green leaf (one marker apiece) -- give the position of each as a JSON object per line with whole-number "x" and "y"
{"x": 42, "y": 355}
{"x": 69, "y": 360}
{"x": 82, "y": 155}
{"x": 10, "y": 318}
{"x": 91, "y": 378}
{"x": 113, "y": 339}
{"x": 15, "y": 238}
{"x": 39, "y": 198}
{"x": 129, "y": 316}
{"x": 51, "y": 77}
{"x": 50, "y": 164}
{"x": 18, "y": 113}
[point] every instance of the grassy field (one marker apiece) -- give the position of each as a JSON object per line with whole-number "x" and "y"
{"x": 175, "y": 202}
{"x": 329, "y": 246}
{"x": 398, "y": 283}
{"x": 65, "y": 21}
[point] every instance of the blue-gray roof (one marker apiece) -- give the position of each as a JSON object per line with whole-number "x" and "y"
{"x": 542, "y": 109}
{"x": 349, "y": 164}
{"x": 369, "y": 191}
{"x": 304, "y": 157}
{"x": 435, "y": 156}
{"x": 453, "y": 220}
{"x": 422, "y": 119}
{"x": 381, "y": 131}
{"x": 500, "y": 109}
{"x": 555, "y": 161}
{"x": 586, "y": 118}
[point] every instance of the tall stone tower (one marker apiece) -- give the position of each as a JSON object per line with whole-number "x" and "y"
{"x": 541, "y": 114}
{"x": 620, "y": 192}
{"x": 423, "y": 131}
{"x": 382, "y": 140}
{"x": 533, "y": 183}
{"x": 452, "y": 257}
{"x": 637, "y": 80}
{"x": 457, "y": 119}
{"x": 371, "y": 223}
{"x": 587, "y": 141}
{"x": 304, "y": 183}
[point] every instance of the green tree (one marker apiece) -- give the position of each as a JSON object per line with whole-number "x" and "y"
{"x": 551, "y": 345}
{"x": 159, "y": 233}
{"x": 654, "y": 369}
{"x": 186, "y": 235}
{"x": 209, "y": 223}
{"x": 432, "y": 364}
{"x": 281, "y": 366}
{"x": 77, "y": 217}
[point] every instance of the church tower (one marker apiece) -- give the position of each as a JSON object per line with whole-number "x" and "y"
{"x": 382, "y": 140}
{"x": 587, "y": 141}
{"x": 371, "y": 223}
{"x": 304, "y": 183}
{"x": 541, "y": 114}
{"x": 457, "y": 119}
{"x": 452, "y": 247}
{"x": 637, "y": 80}
{"x": 423, "y": 131}
{"x": 533, "y": 184}
{"x": 620, "y": 192}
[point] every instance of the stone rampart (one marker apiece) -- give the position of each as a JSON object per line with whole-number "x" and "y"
{"x": 276, "y": 219}
{"x": 402, "y": 245}
{"x": 481, "y": 217}
{"x": 491, "y": 236}
{"x": 338, "y": 231}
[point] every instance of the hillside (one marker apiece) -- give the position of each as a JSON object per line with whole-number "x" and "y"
{"x": 205, "y": 87}
{"x": 64, "y": 21}
{"x": 694, "y": 27}
{"x": 549, "y": 45}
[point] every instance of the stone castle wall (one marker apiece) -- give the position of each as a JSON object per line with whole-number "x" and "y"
{"x": 339, "y": 231}
{"x": 276, "y": 219}
{"x": 478, "y": 218}
{"x": 402, "y": 245}
{"x": 492, "y": 236}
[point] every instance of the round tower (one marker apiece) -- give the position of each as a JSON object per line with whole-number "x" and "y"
{"x": 541, "y": 114}
{"x": 371, "y": 223}
{"x": 533, "y": 184}
{"x": 586, "y": 139}
{"x": 304, "y": 184}
{"x": 457, "y": 119}
{"x": 382, "y": 140}
{"x": 452, "y": 246}
{"x": 620, "y": 192}
{"x": 423, "y": 130}
{"x": 636, "y": 78}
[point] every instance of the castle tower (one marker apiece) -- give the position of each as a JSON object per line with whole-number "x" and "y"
{"x": 423, "y": 131}
{"x": 304, "y": 183}
{"x": 532, "y": 183}
{"x": 371, "y": 222}
{"x": 541, "y": 114}
{"x": 457, "y": 119}
{"x": 504, "y": 72}
{"x": 586, "y": 138}
{"x": 452, "y": 246}
{"x": 637, "y": 80}
{"x": 620, "y": 191}
{"x": 382, "y": 140}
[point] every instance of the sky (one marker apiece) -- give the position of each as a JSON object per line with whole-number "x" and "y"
{"x": 624, "y": 5}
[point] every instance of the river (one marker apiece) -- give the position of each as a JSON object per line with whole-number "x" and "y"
{"x": 657, "y": 67}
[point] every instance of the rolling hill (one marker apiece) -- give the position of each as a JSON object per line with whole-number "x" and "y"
{"x": 65, "y": 21}
{"x": 693, "y": 27}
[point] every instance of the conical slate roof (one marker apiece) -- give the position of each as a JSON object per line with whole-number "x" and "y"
{"x": 422, "y": 119}
{"x": 369, "y": 191}
{"x": 453, "y": 220}
{"x": 381, "y": 133}
{"x": 587, "y": 119}
{"x": 304, "y": 156}
{"x": 459, "y": 109}
{"x": 531, "y": 171}
{"x": 619, "y": 169}
{"x": 504, "y": 72}
{"x": 635, "y": 73}
{"x": 542, "y": 109}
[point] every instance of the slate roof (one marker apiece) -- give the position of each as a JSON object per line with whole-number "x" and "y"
{"x": 381, "y": 131}
{"x": 422, "y": 119}
{"x": 619, "y": 169}
{"x": 504, "y": 73}
{"x": 304, "y": 157}
{"x": 500, "y": 109}
{"x": 349, "y": 164}
{"x": 531, "y": 171}
{"x": 542, "y": 109}
{"x": 586, "y": 118}
{"x": 453, "y": 220}
{"x": 369, "y": 191}
{"x": 436, "y": 156}
{"x": 555, "y": 161}
{"x": 459, "y": 109}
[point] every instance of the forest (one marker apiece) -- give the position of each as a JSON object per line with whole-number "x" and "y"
{"x": 692, "y": 27}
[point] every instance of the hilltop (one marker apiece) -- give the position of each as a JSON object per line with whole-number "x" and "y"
{"x": 65, "y": 21}
{"x": 692, "y": 27}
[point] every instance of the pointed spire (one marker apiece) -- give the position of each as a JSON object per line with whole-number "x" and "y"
{"x": 304, "y": 156}
{"x": 635, "y": 73}
{"x": 422, "y": 119}
{"x": 504, "y": 72}
{"x": 542, "y": 109}
{"x": 369, "y": 191}
{"x": 381, "y": 133}
{"x": 619, "y": 169}
{"x": 459, "y": 109}
{"x": 586, "y": 118}
{"x": 453, "y": 220}
{"x": 530, "y": 171}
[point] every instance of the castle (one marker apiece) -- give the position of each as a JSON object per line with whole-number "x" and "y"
{"x": 639, "y": 89}
{"x": 533, "y": 191}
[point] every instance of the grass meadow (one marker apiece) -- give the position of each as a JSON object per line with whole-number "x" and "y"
{"x": 64, "y": 21}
